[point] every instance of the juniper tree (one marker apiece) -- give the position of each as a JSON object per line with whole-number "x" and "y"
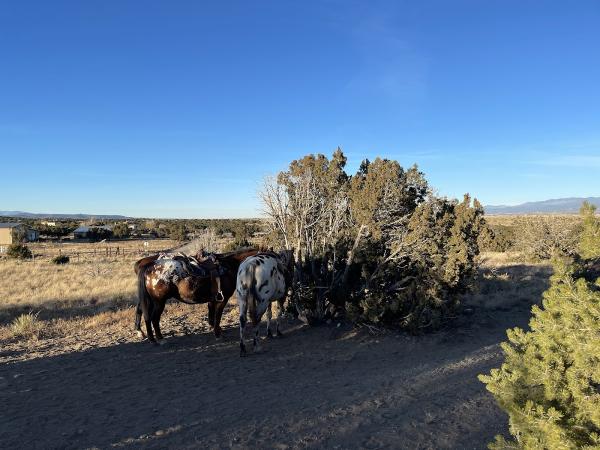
{"x": 378, "y": 241}
{"x": 430, "y": 263}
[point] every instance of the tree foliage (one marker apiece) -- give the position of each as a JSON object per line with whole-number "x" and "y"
{"x": 97, "y": 233}
{"x": 430, "y": 262}
{"x": 496, "y": 238}
{"x": 121, "y": 230}
{"x": 589, "y": 246}
{"x": 377, "y": 242}
{"x": 546, "y": 237}
{"x": 18, "y": 251}
{"x": 19, "y": 234}
{"x": 550, "y": 381}
{"x": 177, "y": 231}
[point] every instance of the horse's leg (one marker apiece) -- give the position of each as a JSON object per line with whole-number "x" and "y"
{"x": 146, "y": 311}
{"x": 256, "y": 341}
{"x": 219, "y": 307}
{"x": 269, "y": 316}
{"x": 243, "y": 305}
{"x": 211, "y": 313}
{"x": 158, "y": 310}
{"x": 279, "y": 314}
{"x": 138, "y": 321}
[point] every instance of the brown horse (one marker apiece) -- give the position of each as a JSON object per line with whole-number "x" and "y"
{"x": 201, "y": 279}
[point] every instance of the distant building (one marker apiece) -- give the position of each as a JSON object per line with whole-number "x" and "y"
{"x": 48, "y": 223}
{"x": 7, "y": 231}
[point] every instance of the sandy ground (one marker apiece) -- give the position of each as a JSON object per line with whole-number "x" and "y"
{"x": 320, "y": 387}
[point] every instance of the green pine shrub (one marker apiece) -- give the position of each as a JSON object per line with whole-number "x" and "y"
{"x": 18, "y": 251}
{"x": 549, "y": 383}
{"x": 589, "y": 246}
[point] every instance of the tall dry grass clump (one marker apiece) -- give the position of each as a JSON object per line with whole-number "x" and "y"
{"x": 26, "y": 326}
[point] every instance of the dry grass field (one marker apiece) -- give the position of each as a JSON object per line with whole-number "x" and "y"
{"x": 88, "y": 283}
{"x": 40, "y": 300}
{"x": 71, "y": 364}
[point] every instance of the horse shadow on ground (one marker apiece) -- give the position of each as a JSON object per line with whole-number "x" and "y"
{"x": 322, "y": 386}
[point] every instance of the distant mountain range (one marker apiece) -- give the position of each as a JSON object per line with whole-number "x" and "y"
{"x": 569, "y": 205}
{"x": 28, "y": 215}
{"x": 559, "y": 205}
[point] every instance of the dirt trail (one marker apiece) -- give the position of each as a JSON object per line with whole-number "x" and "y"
{"x": 317, "y": 387}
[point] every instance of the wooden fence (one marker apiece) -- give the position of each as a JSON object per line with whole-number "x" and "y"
{"x": 106, "y": 252}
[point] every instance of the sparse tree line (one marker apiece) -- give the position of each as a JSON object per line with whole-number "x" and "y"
{"x": 241, "y": 230}
{"x": 535, "y": 237}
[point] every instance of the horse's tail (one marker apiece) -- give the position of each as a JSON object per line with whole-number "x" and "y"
{"x": 252, "y": 299}
{"x": 144, "y": 300}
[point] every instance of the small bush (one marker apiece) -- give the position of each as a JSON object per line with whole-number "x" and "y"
{"x": 549, "y": 383}
{"x": 60, "y": 259}
{"x": 27, "y": 326}
{"x": 18, "y": 251}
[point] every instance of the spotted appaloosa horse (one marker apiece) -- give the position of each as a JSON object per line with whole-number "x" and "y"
{"x": 262, "y": 279}
{"x": 188, "y": 279}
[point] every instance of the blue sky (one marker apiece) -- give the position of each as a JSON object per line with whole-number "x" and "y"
{"x": 179, "y": 109}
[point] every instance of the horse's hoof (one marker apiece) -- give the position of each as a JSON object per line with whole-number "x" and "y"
{"x": 269, "y": 334}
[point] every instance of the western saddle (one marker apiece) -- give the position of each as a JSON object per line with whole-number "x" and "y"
{"x": 205, "y": 265}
